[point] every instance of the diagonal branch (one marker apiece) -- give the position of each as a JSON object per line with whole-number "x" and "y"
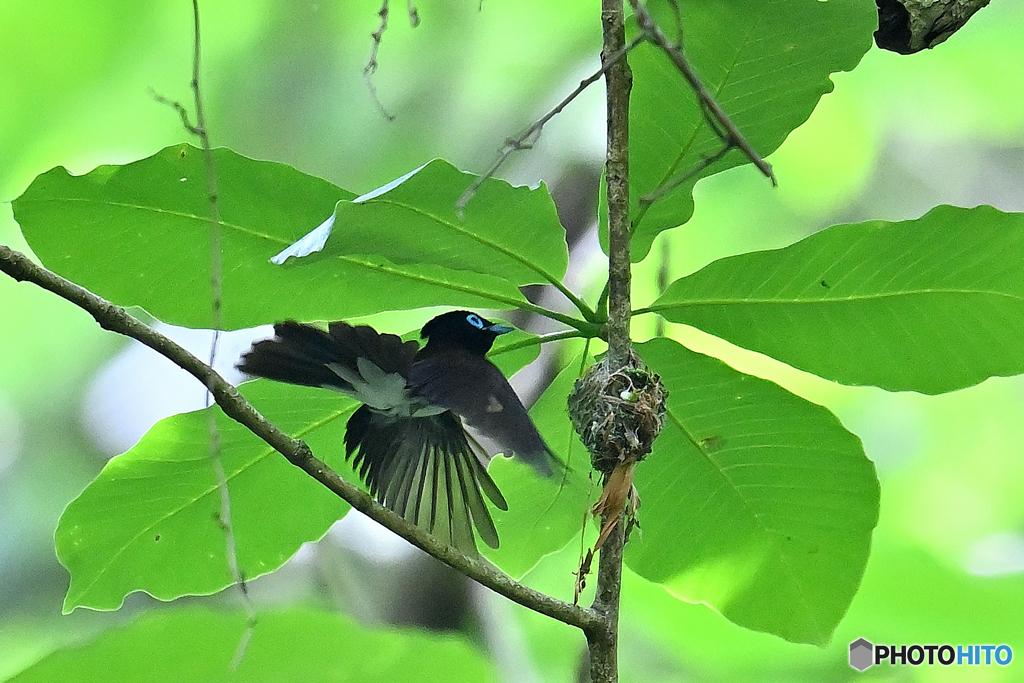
{"x": 116, "y": 319}
{"x": 528, "y": 137}
{"x": 725, "y": 128}
{"x": 660, "y": 192}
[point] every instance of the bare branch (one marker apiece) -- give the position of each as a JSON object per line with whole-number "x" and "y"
{"x": 732, "y": 136}
{"x": 178, "y": 107}
{"x": 371, "y": 64}
{"x": 202, "y": 131}
{"x": 116, "y": 319}
{"x": 528, "y": 137}
{"x": 603, "y": 644}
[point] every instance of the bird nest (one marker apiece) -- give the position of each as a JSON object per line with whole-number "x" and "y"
{"x": 617, "y": 413}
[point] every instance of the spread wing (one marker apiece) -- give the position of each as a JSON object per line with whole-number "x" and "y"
{"x": 424, "y": 469}
{"x": 357, "y": 361}
{"x": 415, "y": 458}
{"x": 474, "y": 389}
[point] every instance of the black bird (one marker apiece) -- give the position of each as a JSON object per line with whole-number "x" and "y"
{"x": 408, "y": 438}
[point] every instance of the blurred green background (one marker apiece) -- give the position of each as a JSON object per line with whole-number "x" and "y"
{"x": 283, "y": 81}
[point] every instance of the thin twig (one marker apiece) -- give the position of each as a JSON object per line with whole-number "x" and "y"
{"x": 733, "y": 137}
{"x": 526, "y": 140}
{"x": 679, "y": 180}
{"x": 116, "y": 319}
{"x": 528, "y": 137}
{"x": 201, "y": 131}
{"x": 178, "y": 107}
{"x": 371, "y": 64}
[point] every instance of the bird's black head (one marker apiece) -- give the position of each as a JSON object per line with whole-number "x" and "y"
{"x": 462, "y": 330}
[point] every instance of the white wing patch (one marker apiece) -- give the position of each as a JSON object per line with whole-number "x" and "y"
{"x": 380, "y": 390}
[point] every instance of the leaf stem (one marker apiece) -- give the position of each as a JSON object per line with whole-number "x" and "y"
{"x": 584, "y": 327}
{"x": 528, "y": 137}
{"x": 541, "y": 339}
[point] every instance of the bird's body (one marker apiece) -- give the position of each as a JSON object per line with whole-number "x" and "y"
{"x": 407, "y": 439}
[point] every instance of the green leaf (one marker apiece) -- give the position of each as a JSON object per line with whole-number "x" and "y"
{"x": 150, "y": 520}
{"x": 508, "y": 232}
{"x": 929, "y": 305}
{"x": 139, "y": 234}
{"x": 754, "y": 500}
{"x": 298, "y": 644}
{"x": 766, "y": 62}
{"x": 544, "y": 514}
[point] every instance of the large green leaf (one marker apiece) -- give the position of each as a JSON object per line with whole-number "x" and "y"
{"x": 140, "y": 235}
{"x": 508, "y": 232}
{"x": 544, "y": 514}
{"x": 754, "y": 500}
{"x": 766, "y": 62}
{"x": 149, "y": 521}
{"x": 930, "y": 305}
{"x": 298, "y": 644}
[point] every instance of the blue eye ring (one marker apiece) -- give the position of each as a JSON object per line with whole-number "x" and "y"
{"x": 475, "y": 320}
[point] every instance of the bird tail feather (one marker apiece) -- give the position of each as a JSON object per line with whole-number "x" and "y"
{"x": 307, "y": 355}
{"x": 425, "y": 470}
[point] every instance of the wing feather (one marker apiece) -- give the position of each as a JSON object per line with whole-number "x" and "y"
{"x": 425, "y": 470}
{"x": 474, "y": 389}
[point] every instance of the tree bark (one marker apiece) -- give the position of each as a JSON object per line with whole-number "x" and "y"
{"x": 603, "y": 642}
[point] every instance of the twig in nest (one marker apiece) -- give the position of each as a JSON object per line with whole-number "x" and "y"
{"x": 586, "y": 560}
{"x": 619, "y": 495}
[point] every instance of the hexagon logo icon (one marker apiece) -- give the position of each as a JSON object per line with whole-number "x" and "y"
{"x": 861, "y": 654}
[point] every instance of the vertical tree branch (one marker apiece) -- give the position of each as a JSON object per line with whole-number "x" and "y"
{"x": 216, "y": 289}
{"x": 618, "y": 81}
{"x": 603, "y": 642}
